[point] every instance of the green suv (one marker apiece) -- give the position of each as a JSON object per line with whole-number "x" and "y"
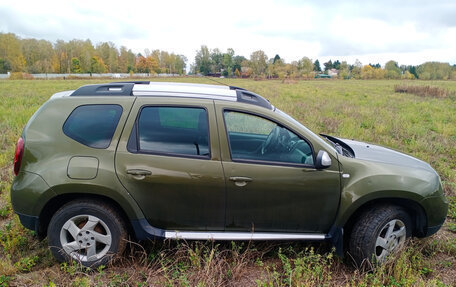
{"x": 204, "y": 162}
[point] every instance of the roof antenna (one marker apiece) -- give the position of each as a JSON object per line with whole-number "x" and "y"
{"x": 231, "y": 87}
{"x": 210, "y": 79}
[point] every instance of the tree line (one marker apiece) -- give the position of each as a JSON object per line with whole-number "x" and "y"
{"x": 78, "y": 56}
{"x": 214, "y": 62}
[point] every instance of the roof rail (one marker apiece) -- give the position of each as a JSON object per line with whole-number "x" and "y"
{"x": 112, "y": 89}
{"x": 236, "y": 88}
{"x": 133, "y": 82}
{"x": 248, "y": 97}
{"x": 126, "y": 89}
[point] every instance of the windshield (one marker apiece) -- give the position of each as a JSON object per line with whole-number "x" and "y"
{"x": 325, "y": 142}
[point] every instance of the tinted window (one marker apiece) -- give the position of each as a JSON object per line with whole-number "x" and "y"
{"x": 93, "y": 125}
{"x": 255, "y": 138}
{"x": 174, "y": 130}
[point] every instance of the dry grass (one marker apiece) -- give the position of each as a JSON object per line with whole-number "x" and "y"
{"x": 424, "y": 91}
{"x": 424, "y": 127}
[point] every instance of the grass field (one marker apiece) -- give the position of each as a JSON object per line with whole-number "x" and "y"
{"x": 424, "y": 127}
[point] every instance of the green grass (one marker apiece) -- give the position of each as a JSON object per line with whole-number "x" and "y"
{"x": 365, "y": 110}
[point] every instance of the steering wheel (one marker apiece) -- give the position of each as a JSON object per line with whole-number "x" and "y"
{"x": 271, "y": 140}
{"x": 293, "y": 145}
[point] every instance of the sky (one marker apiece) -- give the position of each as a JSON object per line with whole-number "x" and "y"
{"x": 409, "y": 32}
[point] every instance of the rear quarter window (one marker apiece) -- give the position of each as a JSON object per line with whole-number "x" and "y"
{"x": 93, "y": 125}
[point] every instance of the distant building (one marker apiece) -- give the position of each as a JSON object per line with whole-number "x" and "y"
{"x": 333, "y": 73}
{"x": 318, "y": 76}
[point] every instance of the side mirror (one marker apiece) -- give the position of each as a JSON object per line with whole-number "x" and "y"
{"x": 323, "y": 160}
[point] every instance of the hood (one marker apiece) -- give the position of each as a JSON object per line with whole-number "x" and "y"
{"x": 366, "y": 151}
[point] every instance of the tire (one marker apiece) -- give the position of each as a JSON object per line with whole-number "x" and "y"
{"x": 88, "y": 231}
{"x": 380, "y": 231}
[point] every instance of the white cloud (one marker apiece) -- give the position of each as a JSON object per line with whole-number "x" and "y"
{"x": 409, "y": 32}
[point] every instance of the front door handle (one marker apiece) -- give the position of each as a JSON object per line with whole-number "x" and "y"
{"x": 138, "y": 173}
{"x": 240, "y": 180}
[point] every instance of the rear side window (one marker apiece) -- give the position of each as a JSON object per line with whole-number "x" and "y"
{"x": 174, "y": 130}
{"x": 93, "y": 125}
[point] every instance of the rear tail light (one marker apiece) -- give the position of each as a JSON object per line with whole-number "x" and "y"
{"x": 18, "y": 155}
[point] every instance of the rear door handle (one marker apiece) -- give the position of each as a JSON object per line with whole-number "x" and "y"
{"x": 240, "y": 180}
{"x": 138, "y": 173}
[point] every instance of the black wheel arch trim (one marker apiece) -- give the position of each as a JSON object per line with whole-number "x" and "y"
{"x": 415, "y": 210}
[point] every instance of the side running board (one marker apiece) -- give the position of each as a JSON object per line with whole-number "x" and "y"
{"x": 242, "y": 236}
{"x": 143, "y": 230}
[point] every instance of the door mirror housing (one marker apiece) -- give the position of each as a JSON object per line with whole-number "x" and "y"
{"x": 323, "y": 160}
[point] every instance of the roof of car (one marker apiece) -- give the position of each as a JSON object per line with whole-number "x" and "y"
{"x": 171, "y": 89}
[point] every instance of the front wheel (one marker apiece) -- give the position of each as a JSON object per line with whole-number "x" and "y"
{"x": 379, "y": 232}
{"x": 89, "y": 232}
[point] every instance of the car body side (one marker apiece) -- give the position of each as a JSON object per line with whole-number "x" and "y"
{"x": 43, "y": 184}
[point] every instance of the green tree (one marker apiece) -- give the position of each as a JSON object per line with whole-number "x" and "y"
{"x": 276, "y": 69}
{"x": 328, "y": 65}
{"x": 203, "y": 61}
{"x": 4, "y": 66}
{"x": 367, "y": 72}
{"x": 305, "y": 67}
{"x": 83, "y": 50}
{"x": 63, "y": 61}
{"x": 11, "y": 52}
{"x": 407, "y": 75}
{"x": 317, "y": 67}
{"x": 181, "y": 64}
{"x": 237, "y": 62}
{"x": 344, "y": 71}
{"x": 75, "y": 65}
{"x": 434, "y": 71}
{"x": 356, "y": 69}
{"x": 216, "y": 60}
{"x": 108, "y": 52}
{"x": 146, "y": 64}
{"x": 126, "y": 60}
{"x": 38, "y": 55}
{"x": 228, "y": 62}
{"x": 291, "y": 70}
{"x": 392, "y": 70}
{"x": 376, "y": 66}
{"x": 258, "y": 62}
{"x": 97, "y": 65}
{"x": 412, "y": 70}
{"x": 276, "y": 58}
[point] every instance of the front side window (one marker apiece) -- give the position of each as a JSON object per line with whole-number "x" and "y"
{"x": 255, "y": 138}
{"x": 174, "y": 130}
{"x": 93, "y": 125}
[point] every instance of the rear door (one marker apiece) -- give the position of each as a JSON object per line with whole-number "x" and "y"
{"x": 169, "y": 160}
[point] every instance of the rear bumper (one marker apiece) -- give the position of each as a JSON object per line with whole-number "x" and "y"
{"x": 29, "y": 221}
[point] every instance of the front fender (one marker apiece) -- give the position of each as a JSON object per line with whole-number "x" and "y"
{"x": 350, "y": 204}
{"x": 365, "y": 181}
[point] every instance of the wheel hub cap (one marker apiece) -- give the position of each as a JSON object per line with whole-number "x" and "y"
{"x": 85, "y": 238}
{"x": 391, "y": 236}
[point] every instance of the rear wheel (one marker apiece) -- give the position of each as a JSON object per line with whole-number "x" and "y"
{"x": 89, "y": 232}
{"x": 379, "y": 232}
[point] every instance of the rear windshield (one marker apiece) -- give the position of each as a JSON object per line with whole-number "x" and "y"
{"x": 93, "y": 125}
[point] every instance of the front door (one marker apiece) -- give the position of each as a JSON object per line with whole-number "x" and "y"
{"x": 272, "y": 183}
{"x": 169, "y": 161}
